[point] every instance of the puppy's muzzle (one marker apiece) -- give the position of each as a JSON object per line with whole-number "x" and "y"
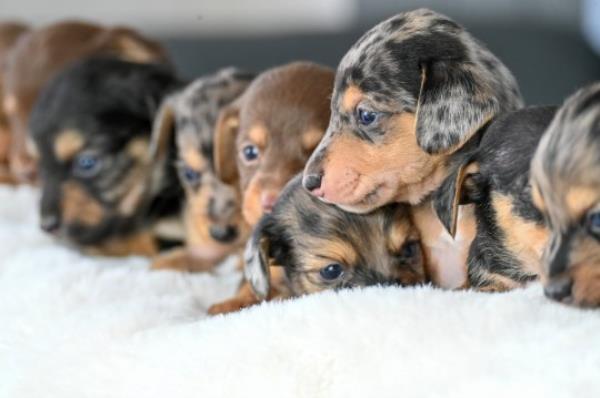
{"x": 223, "y": 234}
{"x": 50, "y": 223}
{"x": 559, "y": 289}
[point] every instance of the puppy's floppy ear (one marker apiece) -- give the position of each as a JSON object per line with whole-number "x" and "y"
{"x": 163, "y": 129}
{"x": 453, "y": 104}
{"x": 256, "y": 260}
{"x": 457, "y": 189}
{"x": 226, "y": 131}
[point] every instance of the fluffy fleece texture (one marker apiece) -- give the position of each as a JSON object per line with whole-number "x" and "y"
{"x": 75, "y": 326}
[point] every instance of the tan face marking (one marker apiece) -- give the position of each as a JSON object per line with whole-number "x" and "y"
{"x": 138, "y": 149}
{"x": 398, "y": 235}
{"x": 259, "y": 134}
{"x": 579, "y": 199}
{"x": 135, "y": 51}
{"x": 311, "y": 138}
{"x": 525, "y": 239}
{"x": 351, "y": 97}
{"x": 397, "y": 168}
{"x": 79, "y": 207}
{"x": 193, "y": 159}
{"x": 67, "y": 144}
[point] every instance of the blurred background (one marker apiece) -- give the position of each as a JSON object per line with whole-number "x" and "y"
{"x": 552, "y": 46}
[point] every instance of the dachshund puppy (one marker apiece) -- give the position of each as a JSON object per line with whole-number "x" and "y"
{"x": 407, "y": 97}
{"x": 103, "y": 189}
{"x": 566, "y": 189}
{"x": 213, "y": 221}
{"x": 510, "y": 235}
{"x": 10, "y": 32}
{"x": 44, "y": 52}
{"x": 271, "y": 130}
{"x": 319, "y": 247}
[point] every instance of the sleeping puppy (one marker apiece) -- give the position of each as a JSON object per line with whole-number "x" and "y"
{"x": 10, "y": 32}
{"x": 566, "y": 189}
{"x": 310, "y": 246}
{"x": 267, "y": 135}
{"x": 407, "y": 97}
{"x": 103, "y": 189}
{"x": 213, "y": 221}
{"x": 41, "y": 54}
{"x": 510, "y": 234}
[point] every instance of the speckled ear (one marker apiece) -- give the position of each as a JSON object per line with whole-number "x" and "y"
{"x": 163, "y": 129}
{"x": 226, "y": 131}
{"x": 256, "y": 261}
{"x": 453, "y": 192}
{"x": 452, "y": 105}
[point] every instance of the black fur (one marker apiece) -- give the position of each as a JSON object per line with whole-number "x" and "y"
{"x": 109, "y": 102}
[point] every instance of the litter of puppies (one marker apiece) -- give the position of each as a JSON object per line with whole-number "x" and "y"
{"x": 415, "y": 162}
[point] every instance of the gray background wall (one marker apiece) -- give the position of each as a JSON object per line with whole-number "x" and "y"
{"x": 542, "y": 41}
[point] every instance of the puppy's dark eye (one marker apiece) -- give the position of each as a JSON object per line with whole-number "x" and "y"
{"x": 409, "y": 250}
{"x": 593, "y": 223}
{"x": 331, "y": 272}
{"x": 190, "y": 175}
{"x": 86, "y": 165}
{"x": 366, "y": 117}
{"x": 250, "y": 153}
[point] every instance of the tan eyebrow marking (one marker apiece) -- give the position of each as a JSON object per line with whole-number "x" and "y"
{"x": 67, "y": 144}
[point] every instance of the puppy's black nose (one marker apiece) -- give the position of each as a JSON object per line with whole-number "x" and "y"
{"x": 312, "y": 181}
{"x": 50, "y": 223}
{"x": 559, "y": 289}
{"x": 223, "y": 234}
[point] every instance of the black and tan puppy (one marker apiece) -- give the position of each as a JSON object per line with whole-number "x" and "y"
{"x": 510, "y": 234}
{"x": 566, "y": 187}
{"x": 407, "y": 97}
{"x": 102, "y": 190}
{"x": 317, "y": 247}
{"x": 322, "y": 247}
{"x": 213, "y": 221}
{"x": 44, "y": 52}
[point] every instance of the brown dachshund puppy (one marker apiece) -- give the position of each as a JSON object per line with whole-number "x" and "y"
{"x": 9, "y": 34}
{"x": 322, "y": 247}
{"x": 265, "y": 138}
{"x": 409, "y": 94}
{"x": 566, "y": 189}
{"x": 44, "y": 52}
{"x": 214, "y": 225}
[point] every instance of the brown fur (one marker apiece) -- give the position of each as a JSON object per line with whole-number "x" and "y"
{"x": 44, "y": 52}
{"x": 281, "y": 113}
{"x": 80, "y": 207}
{"x": 141, "y": 244}
{"x": 10, "y": 32}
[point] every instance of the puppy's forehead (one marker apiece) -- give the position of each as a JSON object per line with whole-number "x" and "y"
{"x": 374, "y": 55}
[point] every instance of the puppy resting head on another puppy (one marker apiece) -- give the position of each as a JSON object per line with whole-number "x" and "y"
{"x": 92, "y": 127}
{"x": 411, "y": 92}
{"x": 322, "y": 247}
{"x": 271, "y": 131}
{"x": 566, "y": 189}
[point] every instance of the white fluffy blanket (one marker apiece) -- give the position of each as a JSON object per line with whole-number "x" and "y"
{"x": 75, "y": 326}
